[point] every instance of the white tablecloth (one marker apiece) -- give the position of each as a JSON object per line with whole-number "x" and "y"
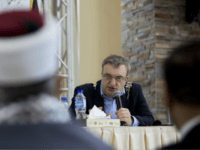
{"x": 135, "y": 138}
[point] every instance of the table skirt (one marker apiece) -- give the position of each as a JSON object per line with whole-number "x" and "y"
{"x": 134, "y": 138}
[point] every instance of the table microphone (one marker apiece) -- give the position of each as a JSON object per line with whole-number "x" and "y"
{"x": 117, "y": 95}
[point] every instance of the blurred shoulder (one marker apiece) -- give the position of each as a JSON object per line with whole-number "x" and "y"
{"x": 86, "y": 140}
{"x": 132, "y": 85}
{"x": 173, "y": 146}
{"x": 88, "y": 85}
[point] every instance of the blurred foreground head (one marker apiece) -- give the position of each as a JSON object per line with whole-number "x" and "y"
{"x": 182, "y": 77}
{"x": 182, "y": 73}
{"x": 28, "y": 62}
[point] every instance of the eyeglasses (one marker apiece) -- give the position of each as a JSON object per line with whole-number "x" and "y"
{"x": 109, "y": 78}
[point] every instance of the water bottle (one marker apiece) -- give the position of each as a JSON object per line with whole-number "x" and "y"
{"x": 64, "y": 102}
{"x": 80, "y": 105}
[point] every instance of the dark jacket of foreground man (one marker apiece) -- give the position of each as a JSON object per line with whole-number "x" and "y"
{"x": 190, "y": 141}
{"x": 42, "y": 123}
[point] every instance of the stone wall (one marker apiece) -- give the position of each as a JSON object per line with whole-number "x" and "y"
{"x": 171, "y": 30}
{"x": 138, "y": 45}
{"x": 151, "y": 29}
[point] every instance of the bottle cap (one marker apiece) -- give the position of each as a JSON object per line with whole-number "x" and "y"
{"x": 64, "y": 99}
{"x": 80, "y": 91}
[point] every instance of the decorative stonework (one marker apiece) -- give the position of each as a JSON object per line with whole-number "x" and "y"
{"x": 151, "y": 29}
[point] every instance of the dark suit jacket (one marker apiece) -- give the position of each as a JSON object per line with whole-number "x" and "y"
{"x": 136, "y": 103}
{"x": 48, "y": 136}
{"x": 190, "y": 141}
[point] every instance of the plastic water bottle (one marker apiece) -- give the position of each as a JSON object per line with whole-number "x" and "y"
{"x": 64, "y": 102}
{"x": 80, "y": 105}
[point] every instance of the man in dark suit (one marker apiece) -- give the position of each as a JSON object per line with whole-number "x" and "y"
{"x": 182, "y": 80}
{"x": 31, "y": 117}
{"x": 115, "y": 69}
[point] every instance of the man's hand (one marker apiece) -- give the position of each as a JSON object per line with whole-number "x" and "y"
{"x": 124, "y": 115}
{"x": 100, "y": 109}
{"x": 109, "y": 115}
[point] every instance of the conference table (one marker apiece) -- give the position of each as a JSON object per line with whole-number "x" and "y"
{"x": 136, "y": 138}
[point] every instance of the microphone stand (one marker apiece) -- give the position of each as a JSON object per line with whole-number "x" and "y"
{"x": 168, "y": 116}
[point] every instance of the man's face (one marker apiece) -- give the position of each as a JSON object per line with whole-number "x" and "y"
{"x": 113, "y": 79}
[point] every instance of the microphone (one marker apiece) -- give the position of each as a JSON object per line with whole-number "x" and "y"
{"x": 119, "y": 103}
{"x": 118, "y": 99}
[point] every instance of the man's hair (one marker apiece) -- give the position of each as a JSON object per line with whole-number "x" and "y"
{"x": 182, "y": 73}
{"x": 22, "y": 92}
{"x": 116, "y": 61}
